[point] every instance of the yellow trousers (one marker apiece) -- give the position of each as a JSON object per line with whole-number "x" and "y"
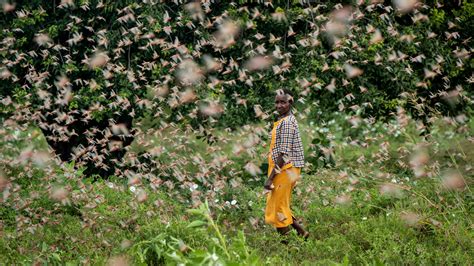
{"x": 277, "y": 211}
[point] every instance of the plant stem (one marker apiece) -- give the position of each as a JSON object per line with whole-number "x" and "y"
{"x": 216, "y": 229}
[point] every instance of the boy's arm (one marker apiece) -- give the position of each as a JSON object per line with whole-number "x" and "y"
{"x": 282, "y": 146}
{"x": 278, "y": 165}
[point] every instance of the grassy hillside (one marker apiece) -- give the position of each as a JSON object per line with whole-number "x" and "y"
{"x": 370, "y": 207}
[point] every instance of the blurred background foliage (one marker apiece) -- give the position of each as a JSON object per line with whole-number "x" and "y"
{"x": 384, "y": 101}
{"x": 393, "y": 76}
{"x": 103, "y": 62}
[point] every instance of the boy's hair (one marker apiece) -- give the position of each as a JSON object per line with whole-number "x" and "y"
{"x": 286, "y": 92}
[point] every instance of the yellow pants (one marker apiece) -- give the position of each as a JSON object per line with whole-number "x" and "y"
{"x": 277, "y": 211}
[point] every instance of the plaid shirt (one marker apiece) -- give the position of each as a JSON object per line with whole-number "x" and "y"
{"x": 288, "y": 142}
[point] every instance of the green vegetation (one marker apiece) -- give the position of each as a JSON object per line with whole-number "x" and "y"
{"x": 137, "y": 131}
{"x": 360, "y": 211}
{"x": 91, "y": 60}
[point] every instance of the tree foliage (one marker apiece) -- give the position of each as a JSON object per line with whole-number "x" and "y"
{"x": 83, "y": 70}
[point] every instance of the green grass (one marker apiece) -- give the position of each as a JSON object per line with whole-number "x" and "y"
{"x": 368, "y": 229}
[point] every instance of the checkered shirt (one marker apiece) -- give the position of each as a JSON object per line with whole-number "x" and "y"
{"x": 288, "y": 142}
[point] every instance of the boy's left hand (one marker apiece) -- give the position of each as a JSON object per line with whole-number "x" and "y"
{"x": 268, "y": 184}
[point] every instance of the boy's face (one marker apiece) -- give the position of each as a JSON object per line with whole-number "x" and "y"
{"x": 282, "y": 104}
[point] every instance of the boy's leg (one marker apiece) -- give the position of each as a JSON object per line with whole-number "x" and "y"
{"x": 299, "y": 228}
{"x": 284, "y": 231}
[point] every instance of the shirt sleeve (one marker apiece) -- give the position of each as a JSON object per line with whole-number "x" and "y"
{"x": 284, "y": 137}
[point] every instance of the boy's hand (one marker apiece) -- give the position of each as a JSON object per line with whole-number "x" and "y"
{"x": 268, "y": 184}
